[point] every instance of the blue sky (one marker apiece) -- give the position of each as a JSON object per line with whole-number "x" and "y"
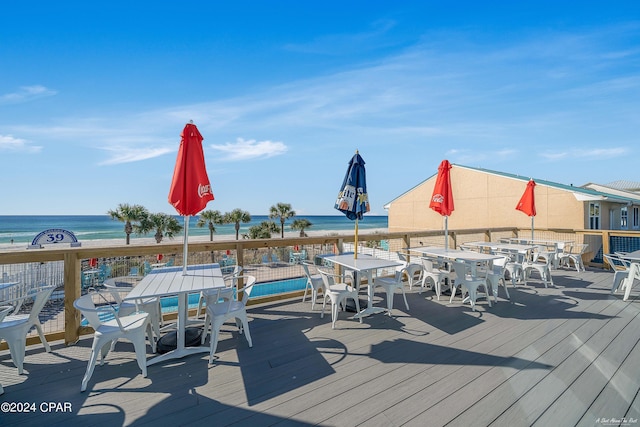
{"x": 94, "y": 95}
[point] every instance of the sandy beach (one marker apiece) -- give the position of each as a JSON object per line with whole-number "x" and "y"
{"x": 216, "y": 237}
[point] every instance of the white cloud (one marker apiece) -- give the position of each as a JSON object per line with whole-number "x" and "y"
{"x": 586, "y": 153}
{"x": 9, "y": 143}
{"x": 250, "y": 149}
{"x": 128, "y": 154}
{"x": 26, "y": 93}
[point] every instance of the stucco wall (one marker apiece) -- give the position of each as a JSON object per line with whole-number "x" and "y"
{"x": 483, "y": 199}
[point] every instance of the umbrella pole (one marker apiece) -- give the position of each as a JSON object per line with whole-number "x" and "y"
{"x": 446, "y": 233}
{"x": 185, "y": 245}
{"x": 532, "y": 227}
{"x": 355, "y": 252}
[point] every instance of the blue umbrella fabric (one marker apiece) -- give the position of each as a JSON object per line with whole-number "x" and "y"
{"x": 353, "y": 200}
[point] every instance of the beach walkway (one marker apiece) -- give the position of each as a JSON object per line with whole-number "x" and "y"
{"x": 559, "y": 356}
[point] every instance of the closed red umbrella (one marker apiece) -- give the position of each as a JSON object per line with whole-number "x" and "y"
{"x": 190, "y": 187}
{"x": 442, "y": 198}
{"x": 527, "y": 203}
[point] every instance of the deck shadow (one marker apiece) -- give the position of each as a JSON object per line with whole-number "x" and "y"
{"x": 406, "y": 351}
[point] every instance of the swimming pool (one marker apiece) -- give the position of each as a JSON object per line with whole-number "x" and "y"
{"x": 170, "y": 304}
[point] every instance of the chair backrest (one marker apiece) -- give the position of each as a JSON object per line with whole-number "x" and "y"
{"x": 616, "y": 262}
{"x": 427, "y": 264}
{"x": 580, "y": 249}
{"x": 461, "y": 270}
{"x": 15, "y": 294}
{"x": 250, "y": 281}
{"x": 40, "y": 297}
{"x": 327, "y": 278}
{"x": 500, "y": 262}
{"x": 96, "y": 315}
{"x": 413, "y": 271}
{"x": 88, "y": 309}
{"x": 305, "y": 267}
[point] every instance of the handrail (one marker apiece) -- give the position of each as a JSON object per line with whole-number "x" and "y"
{"x": 73, "y": 256}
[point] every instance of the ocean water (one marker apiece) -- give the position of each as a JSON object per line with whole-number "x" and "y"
{"x": 24, "y": 228}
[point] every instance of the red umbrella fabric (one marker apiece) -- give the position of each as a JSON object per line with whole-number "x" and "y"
{"x": 442, "y": 198}
{"x": 190, "y": 187}
{"x": 527, "y": 203}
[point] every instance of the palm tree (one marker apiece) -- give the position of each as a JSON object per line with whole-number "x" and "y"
{"x": 263, "y": 230}
{"x": 210, "y": 218}
{"x": 282, "y": 211}
{"x": 163, "y": 224}
{"x": 301, "y": 224}
{"x": 130, "y": 215}
{"x": 237, "y": 216}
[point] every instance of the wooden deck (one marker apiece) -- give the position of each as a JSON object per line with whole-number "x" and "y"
{"x": 560, "y": 356}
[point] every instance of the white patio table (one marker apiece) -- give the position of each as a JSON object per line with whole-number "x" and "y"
{"x": 510, "y": 247}
{"x": 168, "y": 281}
{"x": 631, "y": 256}
{"x": 470, "y": 257}
{"x": 364, "y": 264}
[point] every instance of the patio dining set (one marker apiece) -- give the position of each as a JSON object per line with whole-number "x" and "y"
{"x": 129, "y": 308}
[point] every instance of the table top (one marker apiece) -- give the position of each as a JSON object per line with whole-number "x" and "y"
{"x": 633, "y": 256}
{"x": 170, "y": 281}
{"x": 362, "y": 263}
{"x": 522, "y": 248}
{"x": 454, "y": 253}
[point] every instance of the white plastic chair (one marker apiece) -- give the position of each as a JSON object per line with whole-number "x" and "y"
{"x": 513, "y": 266}
{"x": 438, "y": 275}
{"x": 221, "y": 310}
{"x": 542, "y": 267}
{"x": 471, "y": 284}
{"x": 314, "y": 281}
{"x": 496, "y": 277}
{"x": 210, "y": 295}
{"x": 338, "y": 292}
{"x": 4, "y": 310}
{"x": 390, "y": 284}
{"x": 15, "y": 327}
{"x": 120, "y": 287}
{"x": 415, "y": 272}
{"x": 109, "y": 325}
{"x": 573, "y": 255}
{"x": 627, "y": 283}
{"x": 620, "y": 267}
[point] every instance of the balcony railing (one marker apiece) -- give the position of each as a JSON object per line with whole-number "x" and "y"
{"x": 74, "y": 270}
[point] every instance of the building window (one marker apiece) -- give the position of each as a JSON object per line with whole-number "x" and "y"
{"x": 624, "y": 217}
{"x": 594, "y": 216}
{"x": 635, "y": 218}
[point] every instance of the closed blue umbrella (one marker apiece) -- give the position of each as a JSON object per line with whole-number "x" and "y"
{"x": 353, "y": 200}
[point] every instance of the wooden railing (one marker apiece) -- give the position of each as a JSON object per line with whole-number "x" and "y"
{"x": 73, "y": 258}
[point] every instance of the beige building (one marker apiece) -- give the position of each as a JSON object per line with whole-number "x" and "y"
{"x": 484, "y": 199}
